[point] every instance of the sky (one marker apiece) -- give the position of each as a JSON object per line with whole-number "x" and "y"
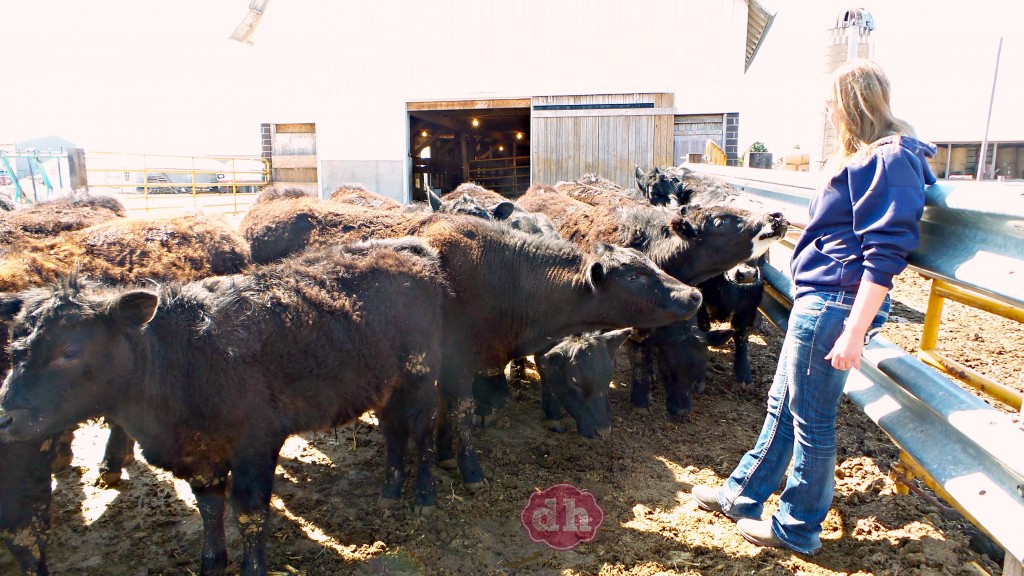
{"x": 162, "y": 77}
{"x": 939, "y": 56}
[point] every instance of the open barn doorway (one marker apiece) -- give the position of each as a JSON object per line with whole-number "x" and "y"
{"x": 486, "y": 142}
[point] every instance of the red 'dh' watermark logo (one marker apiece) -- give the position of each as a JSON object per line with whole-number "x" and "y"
{"x": 562, "y": 516}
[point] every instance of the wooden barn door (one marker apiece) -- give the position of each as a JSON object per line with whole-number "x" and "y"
{"x": 607, "y": 135}
{"x": 693, "y": 131}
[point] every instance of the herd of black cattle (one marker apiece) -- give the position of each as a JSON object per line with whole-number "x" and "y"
{"x": 209, "y": 347}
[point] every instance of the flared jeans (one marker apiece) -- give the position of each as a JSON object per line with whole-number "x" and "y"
{"x": 800, "y": 426}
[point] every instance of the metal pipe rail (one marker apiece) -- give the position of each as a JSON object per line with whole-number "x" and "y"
{"x": 964, "y": 449}
{"x": 146, "y": 172}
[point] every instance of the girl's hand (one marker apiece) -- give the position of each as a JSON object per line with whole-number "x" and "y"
{"x": 846, "y": 351}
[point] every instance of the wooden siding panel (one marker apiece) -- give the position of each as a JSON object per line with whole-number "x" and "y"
{"x": 590, "y": 130}
{"x": 646, "y": 153}
{"x": 469, "y": 104}
{"x": 570, "y": 143}
{"x": 663, "y": 142}
{"x": 299, "y": 128}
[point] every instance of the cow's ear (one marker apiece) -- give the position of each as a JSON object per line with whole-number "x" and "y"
{"x": 615, "y": 338}
{"x": 684, "y": 228}
{"x": 640, "y": 180}
{"x": 135, "y": 308}
{"x": 595, "y": 274}
{"x": 433, "y": 200}
{"x": 10, "y": 305}
{"x": 503, "y": 210}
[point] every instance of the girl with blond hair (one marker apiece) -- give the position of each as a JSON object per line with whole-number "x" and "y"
{"x": 862, "y": 225}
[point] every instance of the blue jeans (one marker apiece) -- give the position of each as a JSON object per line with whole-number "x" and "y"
{"x": 800, "y": 426}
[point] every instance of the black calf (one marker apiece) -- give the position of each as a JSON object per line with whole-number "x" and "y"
{"x": 734, "y": 297}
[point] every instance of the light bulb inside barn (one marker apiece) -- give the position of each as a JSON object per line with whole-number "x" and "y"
{"x": 519, "y": 135}
{"x": 501, "y": 148}
{"x": 423, "y": 133}
{"x": 476, "y": 122}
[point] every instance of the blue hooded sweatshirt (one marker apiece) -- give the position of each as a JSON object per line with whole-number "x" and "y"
{"x": 864, "y": 223}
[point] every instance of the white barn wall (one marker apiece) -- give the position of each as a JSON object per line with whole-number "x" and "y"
{"x": 351, "y": 68}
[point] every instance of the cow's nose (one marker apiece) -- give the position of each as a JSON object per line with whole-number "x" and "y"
{"x": 696, "y": 299}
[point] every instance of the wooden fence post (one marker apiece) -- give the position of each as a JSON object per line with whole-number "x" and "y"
{"x": 76, "y": 168}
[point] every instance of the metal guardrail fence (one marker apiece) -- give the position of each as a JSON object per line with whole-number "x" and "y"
{"x": 964, "y": 449}
{"x": 156, "y": 173}
{"x": 154, "y": 183}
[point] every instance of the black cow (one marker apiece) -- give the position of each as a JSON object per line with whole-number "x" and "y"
{"x": 468, "y": 206}
{"x": 212, "y": 376}
{"x": 692, "y": 243}
{"x": 513, "y": 293}
{"x": 576, "y": 374}
{"x": 89, "y": 233}
{"x": 490, "y": 388}
{"x": 733, "y": 296}
{"x": 25, "y": 502}
{"x": 675, "y": 355}
{"x": 678, "y": 186}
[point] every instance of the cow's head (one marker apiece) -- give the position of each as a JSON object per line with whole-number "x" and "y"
{"x": 682, "y": 362}
{"x": 579, "y": 371}
{"x": 71, "y": 355}
{"x": 663, "y": 186}
{"x": 534, "y": 223}
{"x": 745, "y": 273}
{"x": 716, "y": 238}
{"x": 467, "y": 205}
{"x": 633, "y": 291}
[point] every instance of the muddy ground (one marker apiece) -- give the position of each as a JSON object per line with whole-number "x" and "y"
{"x": 326, "y": 519}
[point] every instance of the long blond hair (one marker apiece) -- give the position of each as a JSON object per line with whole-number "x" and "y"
{"x": 860, "y": 97}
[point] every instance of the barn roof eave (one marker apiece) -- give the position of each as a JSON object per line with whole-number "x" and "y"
{"x": 759, "y": 21}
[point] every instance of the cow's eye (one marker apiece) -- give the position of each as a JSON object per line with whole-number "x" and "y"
{"x": 633, "y": 277}
{"x": 71, "y": 352}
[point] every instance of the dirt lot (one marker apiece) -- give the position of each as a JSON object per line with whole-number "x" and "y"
{"x": 327, "y": 520}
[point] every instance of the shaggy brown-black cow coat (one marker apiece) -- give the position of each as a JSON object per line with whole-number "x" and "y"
{"x": 46, "y": 219}
{"x": 275, "y": 193}
{"x": 212, "y": 376}
{"x": 483, "y": 196}
{"x": 358, "y": 195}
{"x": 498, "y": 207}
{"x": 598, "y": 191}
{"x": 128, "y": 251}
{"x": 119, "y": 251}
{"x": 513, "y": 293}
